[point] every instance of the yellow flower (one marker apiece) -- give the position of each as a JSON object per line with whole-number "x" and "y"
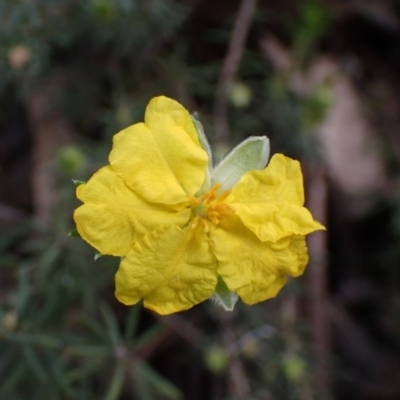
{"x": 182, "y": 227}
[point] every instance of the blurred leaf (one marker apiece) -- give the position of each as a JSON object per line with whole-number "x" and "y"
{"x": 38, "y": 339}
{"x": 148, "y": 336}
{"x": 34, "y": 362}
{"x": 24, "y": 290}
{"x": 90, "y": 350}
{"x": 47, "y": 261}
{"x": 14, "y": 376}
{"x": 116, "y": 384}
{"x": 95, "y": 327}
{"x": 158, "y": 382}
{"x": 131, "y": 322}
{"x": 8, "y": 355}
{"x": 80, "y": 373}
{"x": 112, "y": 323}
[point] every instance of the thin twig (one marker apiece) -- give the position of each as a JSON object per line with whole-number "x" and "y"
{"x": 231, "y": 65}
{"x": 174, "y": 326}
{"x": 50, "y": 131}
{"x": 238, "y": 383}
{"x": 183, "y": 328}
{"x": 318, "y": 277}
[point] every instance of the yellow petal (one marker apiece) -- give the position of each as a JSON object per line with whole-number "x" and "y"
{"x": 169, "y": 269}
{"x": 254, "y": 269}
{"x": 297, "y": 255}
{"x": 114, "y": 216}
{"x": 161, "y": 158}
{"x": 270, "y": 202}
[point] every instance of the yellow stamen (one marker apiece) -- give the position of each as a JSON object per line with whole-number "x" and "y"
{"x": 210, "y": 208}
{"x": 223, "y": 196}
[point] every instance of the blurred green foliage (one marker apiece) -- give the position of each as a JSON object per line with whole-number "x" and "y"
{"x": 59, "y": 338}
{"x": 62, "y": 333}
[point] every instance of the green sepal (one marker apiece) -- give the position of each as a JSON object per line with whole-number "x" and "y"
{"x": 202, "y": 136}
{"x": 97, "y": 255}
{"x": 223, "y": 296}
{"x": 77, "y": 182}
{"x": 207, "y": 148}
{"x": 73, "y": 232}
{"x": 251, "y": 154}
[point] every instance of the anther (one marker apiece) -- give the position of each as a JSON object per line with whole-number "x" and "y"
{"x": 209, "y": 208}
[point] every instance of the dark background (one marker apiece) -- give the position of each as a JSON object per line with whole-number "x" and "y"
{"x": 320, "y": 78}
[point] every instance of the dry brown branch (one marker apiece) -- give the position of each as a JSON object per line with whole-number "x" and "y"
{"x": 238, "y": 383}
{"x": 274, "y": 51}
{"x": 50, "y": 131}
{"x": 230, "y": 67}
{"x": 318, "y": 276}
{"x": 183, "y": 328}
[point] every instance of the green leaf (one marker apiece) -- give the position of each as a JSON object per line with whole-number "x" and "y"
{"x": 33, "y": 361}
{"x": 140, "y": 384}
{"x": 132, "y": 322}
{"x": 116, "y": 385}
{"x": 251, "y": 154}
{"x": 14, "y": 379}
{"x": 87, "y": 367}
{"x": 94, "y": 326}
{"x": 89, "y": 350}
{"x": 111, "y": 322}
{"x": 148, "y": 336}
{"x": 206, "y": 146}
{"x": 224, "y": 297}
{"x": 77, "y": 182}
{"x": 38, "y": 339}
{"x": 202, "y": 137}
{"x": 158, "y": 382}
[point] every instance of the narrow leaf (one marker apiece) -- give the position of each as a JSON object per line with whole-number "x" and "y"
{"x": 116, "y": 385}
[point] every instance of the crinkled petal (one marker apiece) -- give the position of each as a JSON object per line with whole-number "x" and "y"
{"x": 254, "y": 269}
{"x": 114, "y": 216}
{"x": 297, "y": 255}
{"x": 169, "y": 269}
{"x": 161, "y": 158}
{"x": 270, "y": 202}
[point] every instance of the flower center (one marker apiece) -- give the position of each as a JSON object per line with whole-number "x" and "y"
{"x": 210, "y": 208}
